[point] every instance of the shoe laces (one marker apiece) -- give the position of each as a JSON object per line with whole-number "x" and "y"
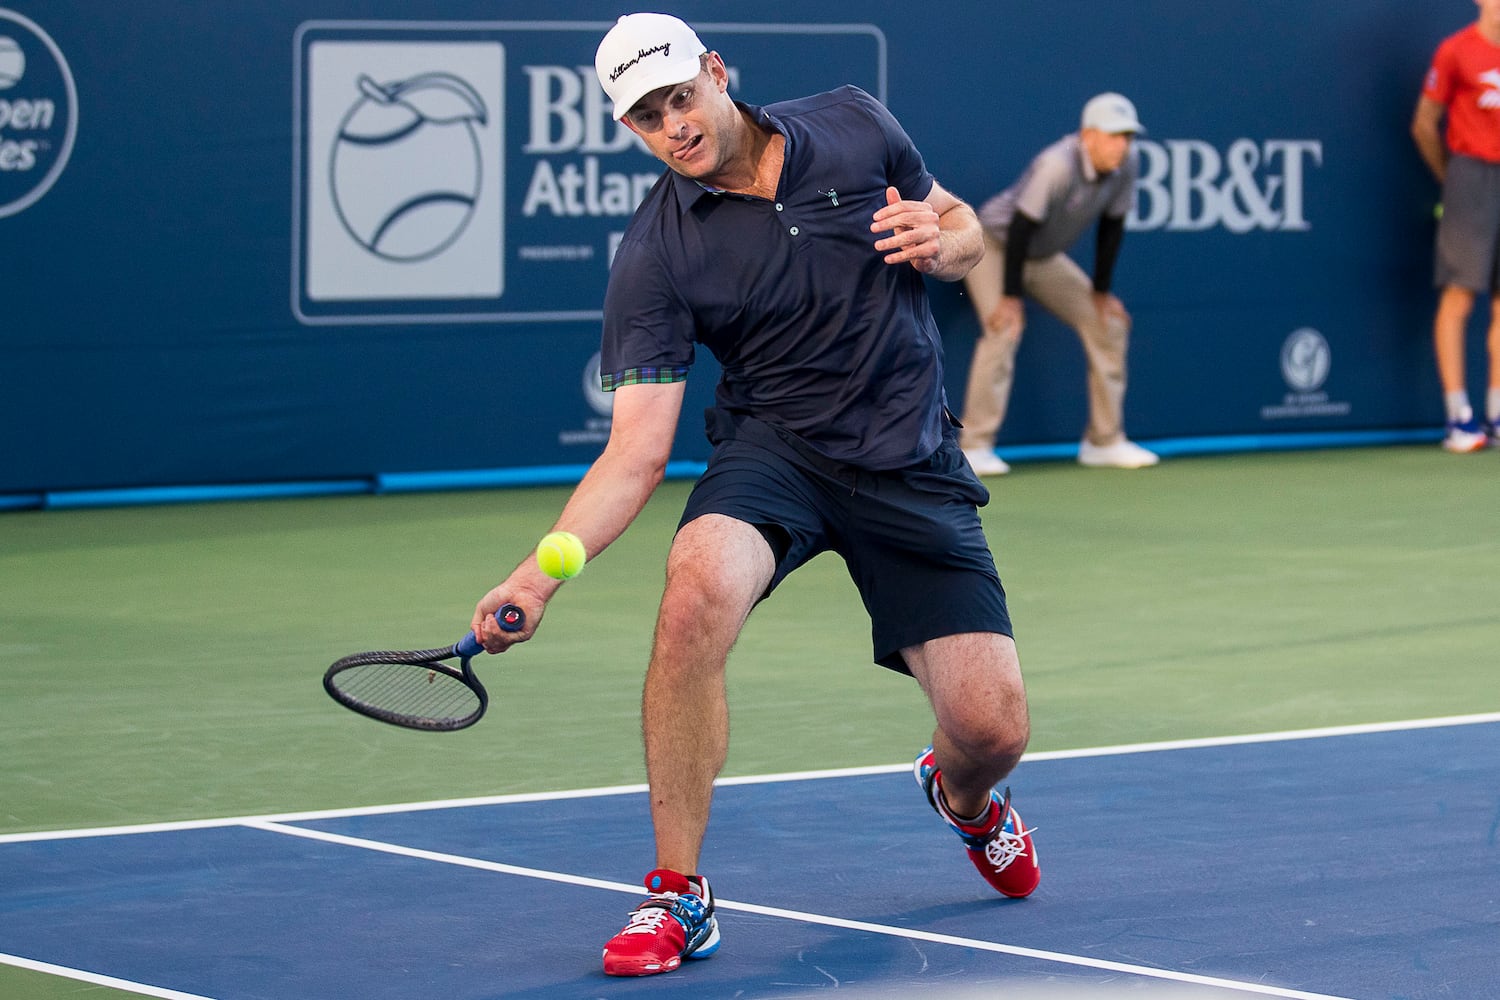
{"x": 688, "y": 909}
{"x": 650, "y": 915}
{"x": 1008, "y": 841}
{"x": 1005, "y": 847}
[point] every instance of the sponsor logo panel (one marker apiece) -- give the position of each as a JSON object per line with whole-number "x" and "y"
{"x": 1306, "y": 364}
{"x": 403, "y": 174}
{"x": 472, "y": 172}
{"x": 1189, "y": 185}
{"x": 38, "y": 112}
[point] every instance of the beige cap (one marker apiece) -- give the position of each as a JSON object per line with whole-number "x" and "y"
{"x": 1112, "y": 113}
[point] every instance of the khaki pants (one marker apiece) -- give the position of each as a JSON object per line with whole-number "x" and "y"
{"x": 1061, "y": 287}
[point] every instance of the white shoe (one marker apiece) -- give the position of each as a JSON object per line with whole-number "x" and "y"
{"x": 985, "y": 462}
{"x": 1122, "y": 454}
{"x": 1464, "y": 437}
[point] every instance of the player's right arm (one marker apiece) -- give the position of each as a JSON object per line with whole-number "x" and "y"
{"x": 618, "y": 484}
{"x": 609, "y": 497}
{"x": 1427, "y": 133}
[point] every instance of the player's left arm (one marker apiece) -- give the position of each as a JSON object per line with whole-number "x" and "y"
{"x": 938, "y": 235}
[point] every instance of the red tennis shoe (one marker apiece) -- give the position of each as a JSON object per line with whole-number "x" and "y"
{"x": 999, "y": 844}
{"x": 675, "y": 922}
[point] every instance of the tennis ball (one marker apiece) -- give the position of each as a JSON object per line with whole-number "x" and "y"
{"x": 1437, "y": 211}
{"x": 560, "y": 555}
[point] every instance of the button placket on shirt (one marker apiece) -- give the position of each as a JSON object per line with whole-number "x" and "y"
{"x": 794, "y": 230}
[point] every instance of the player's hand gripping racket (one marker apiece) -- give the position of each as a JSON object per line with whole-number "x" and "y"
{"x": 413, "y": 687}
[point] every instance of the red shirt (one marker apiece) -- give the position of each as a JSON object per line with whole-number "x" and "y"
{"x": 1465, "y": 78}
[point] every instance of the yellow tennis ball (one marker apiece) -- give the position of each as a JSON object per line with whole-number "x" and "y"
{"x": 560, "y": 555}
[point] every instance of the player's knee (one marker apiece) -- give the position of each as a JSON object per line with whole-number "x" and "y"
{"x": 997, "y": 735}
{"x": 700, "y": 597}
{"x": 998, "y": 752}
{"x": 685, "y": 606}
{"x": 1008, "y": 742}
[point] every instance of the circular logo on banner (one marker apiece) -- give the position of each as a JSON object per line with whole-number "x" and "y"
{"x": 1305, "y": 360}
{"x": 38, "y": 112}
{"x": 601, "y": 402}
{"x": 407, "y": 165}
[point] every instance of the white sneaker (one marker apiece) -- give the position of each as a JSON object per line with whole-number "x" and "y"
{"x": 1122, "y": 454}
{"x": 1464, "y": 437}
{"x": 985, "y": 462}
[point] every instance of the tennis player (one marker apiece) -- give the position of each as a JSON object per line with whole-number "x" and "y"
{"x": 790, "y": 240}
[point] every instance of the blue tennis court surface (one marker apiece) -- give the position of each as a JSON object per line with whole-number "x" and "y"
{"x": 1362, "y": 864}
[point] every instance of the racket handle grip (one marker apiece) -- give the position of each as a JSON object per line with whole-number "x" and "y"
{"x": 510, "y": 619}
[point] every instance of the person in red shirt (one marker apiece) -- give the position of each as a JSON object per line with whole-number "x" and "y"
{"x": 1463, "y": 87}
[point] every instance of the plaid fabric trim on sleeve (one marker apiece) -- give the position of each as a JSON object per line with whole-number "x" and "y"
{"x": 638, "y": 376}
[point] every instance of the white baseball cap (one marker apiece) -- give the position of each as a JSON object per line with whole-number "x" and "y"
{"x": 643, "y": 52}
{"x": 1112, "y": 113}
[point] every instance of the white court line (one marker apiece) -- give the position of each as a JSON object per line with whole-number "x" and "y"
{"x": 798, "y": 915}
{"x": 759, "y": 779}
{"x": 95, "y": 979}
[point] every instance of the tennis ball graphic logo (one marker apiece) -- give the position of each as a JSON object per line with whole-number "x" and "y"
{"x": 407, "y": 165}
{"x": 12, "y": 62}
{"x": 1305, "y": 360}
{"x": 601, "y": 402}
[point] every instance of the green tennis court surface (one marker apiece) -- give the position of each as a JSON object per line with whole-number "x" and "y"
{"x": 163, "y": 663}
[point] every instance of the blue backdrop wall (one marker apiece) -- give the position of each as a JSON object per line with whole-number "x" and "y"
{"x": 277, "y": 240}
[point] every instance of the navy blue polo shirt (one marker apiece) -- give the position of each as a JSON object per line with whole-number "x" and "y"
{"x": 815, "y": 333}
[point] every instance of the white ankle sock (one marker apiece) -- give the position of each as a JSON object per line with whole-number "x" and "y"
{"x": 1457, "y": 405}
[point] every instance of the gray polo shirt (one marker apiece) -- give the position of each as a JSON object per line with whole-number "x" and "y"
{"x": 1062, "y": 191}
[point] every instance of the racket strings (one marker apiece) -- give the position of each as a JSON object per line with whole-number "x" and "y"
{"x": 415, "y": 692}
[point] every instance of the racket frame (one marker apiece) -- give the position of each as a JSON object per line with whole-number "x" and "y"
{"x": 509, "y": 617}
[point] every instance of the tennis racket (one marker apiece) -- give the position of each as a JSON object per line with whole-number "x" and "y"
{"x": 413, "y": 687}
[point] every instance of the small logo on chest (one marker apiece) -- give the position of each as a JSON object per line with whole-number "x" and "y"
{"x": 831, "y": 195}
{"x": 1490, "y": 99}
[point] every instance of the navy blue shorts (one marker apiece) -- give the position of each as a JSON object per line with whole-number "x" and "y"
{"x": 910, "y": 537}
